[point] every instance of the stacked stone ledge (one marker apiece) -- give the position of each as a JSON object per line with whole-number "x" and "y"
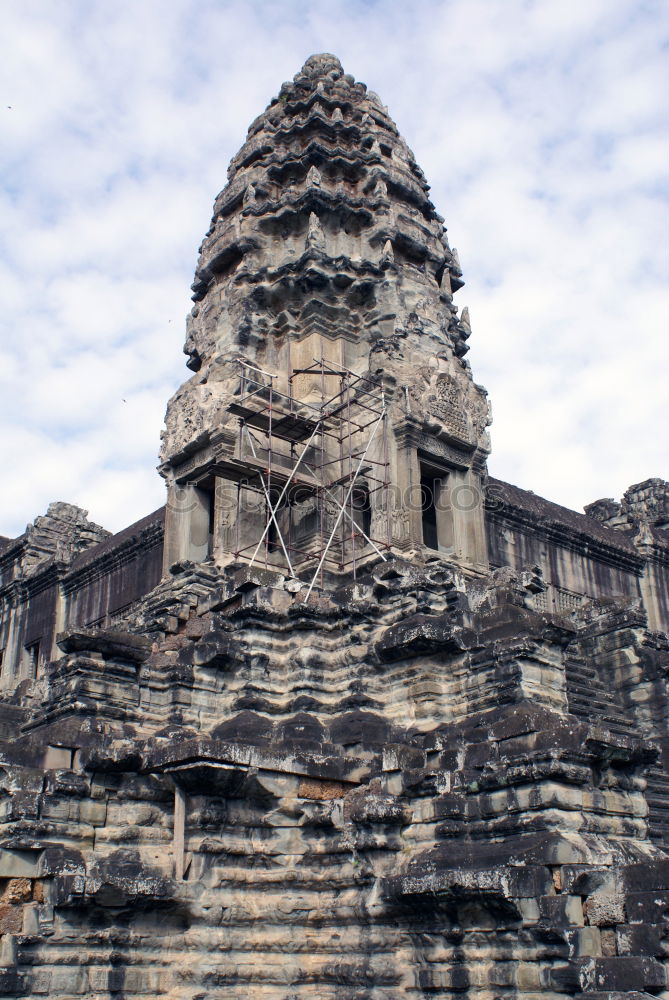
{"x": 443, "y": 776}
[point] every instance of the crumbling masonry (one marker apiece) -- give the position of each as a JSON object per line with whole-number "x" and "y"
{"x": 347, "y": 718}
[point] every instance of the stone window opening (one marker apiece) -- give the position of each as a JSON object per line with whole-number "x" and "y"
{"x": 362, "y": 510}
{"x": 273, "y": 544}
{"x": 211, "y": 500}
{"x": 33, "y": 657}
{"x": 430, "y": 488}
{"x": 280, "y": 522}
{"x": 436, "y": 513}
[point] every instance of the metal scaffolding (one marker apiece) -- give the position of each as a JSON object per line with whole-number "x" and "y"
{"x": 329, "y": 458}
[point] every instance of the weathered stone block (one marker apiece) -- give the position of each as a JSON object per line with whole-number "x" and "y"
{"x": 13, "y": 983}
{"x": 647, "y": 907}
{"x": 561, "y": 911}
{"x": 646, "y": 876}
{"x": 585, "y": 941}
{"x": 16, "y": 890}
{"x": 17, "y": 864}
{"x": 603, "y": 909}
{"x": 620, "y": 973}
{"x": 11, "y": 918}
{"x": 642, "y": 939}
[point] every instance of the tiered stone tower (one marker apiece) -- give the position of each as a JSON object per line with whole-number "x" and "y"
{"x": 325, "y": 253}
{"x": 384, "y": 727}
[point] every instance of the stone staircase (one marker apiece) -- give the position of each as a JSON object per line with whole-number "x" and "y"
{"x": 588, "y": 699}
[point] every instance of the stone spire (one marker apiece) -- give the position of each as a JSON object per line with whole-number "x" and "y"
{"x": 324, "y": 146}
{"x": 324, "y": 244}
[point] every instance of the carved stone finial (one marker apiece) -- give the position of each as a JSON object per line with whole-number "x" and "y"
{"x": 445, "y": 283}
{"x": 249, "y": 194}
{"x": 380, "y": 189}
{"x": 464, "y": 318}
{"x": 322, "y": 64}
{"x": 337, "y": 115}
{"x": 388, "y": 252}
{"x": 605, "y": 510}
{"x": 315, "y": 234}
{"x": 648, "y": 502}
{"x": 314, "y": 177}
{"x": 532, "y": 580}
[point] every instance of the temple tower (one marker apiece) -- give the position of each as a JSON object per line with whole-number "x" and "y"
{"x": 427, "y": 778}
{"x": 331, "y": 417}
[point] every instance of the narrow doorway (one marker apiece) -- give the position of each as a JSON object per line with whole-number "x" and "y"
{"x": 430, "y": 487}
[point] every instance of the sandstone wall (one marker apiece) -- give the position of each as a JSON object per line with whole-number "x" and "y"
{"x": 63, "y": 571}
{"x": 412, "y": 786}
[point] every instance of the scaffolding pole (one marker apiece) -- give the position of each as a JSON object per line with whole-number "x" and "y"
{"x": 328, "y": 445}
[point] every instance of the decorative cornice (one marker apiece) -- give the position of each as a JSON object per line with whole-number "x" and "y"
{"x": 127, "y": 551}
{"x": 576, "y": 541}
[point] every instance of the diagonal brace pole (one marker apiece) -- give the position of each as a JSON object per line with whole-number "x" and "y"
{"x": 284, "y": 491}
{"x": 354, "y": 523}
{"x": 341, "y": 511}
{"x": 272, "y": 514}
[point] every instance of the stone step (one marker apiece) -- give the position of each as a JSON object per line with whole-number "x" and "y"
{"x": 620, "y": 973}
{"x": 659, "y": 780}
{"x": 615, "y": 995}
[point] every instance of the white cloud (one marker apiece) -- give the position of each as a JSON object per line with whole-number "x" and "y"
{"x": 541, "y": 124}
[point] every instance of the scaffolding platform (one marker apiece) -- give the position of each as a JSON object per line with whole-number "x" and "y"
{"x": 253, "y": 474}
{"x": 287, "y": 426}
{"x": 334, "y": 453}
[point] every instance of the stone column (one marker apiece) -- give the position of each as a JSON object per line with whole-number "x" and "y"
{"x": 467, "y": 512}
{"x": 186, "y": 525}
{"x": 654, "y": 587}
{"x": 303, "y": 353}
{"x": 444, "y": 511}
{"x": 60, "y": 620}
{"x": 179, "y": 832}
{"x": 406, "y": 510}
{"x": 12, "y": 654}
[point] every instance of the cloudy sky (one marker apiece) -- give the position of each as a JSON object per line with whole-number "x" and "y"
{"x": 542, "y": 127}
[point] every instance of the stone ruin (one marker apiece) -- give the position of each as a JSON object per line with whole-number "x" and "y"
{"x": 347, "y": 719}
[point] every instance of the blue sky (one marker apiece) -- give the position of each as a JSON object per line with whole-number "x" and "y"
{"x": 541, "y": 126}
